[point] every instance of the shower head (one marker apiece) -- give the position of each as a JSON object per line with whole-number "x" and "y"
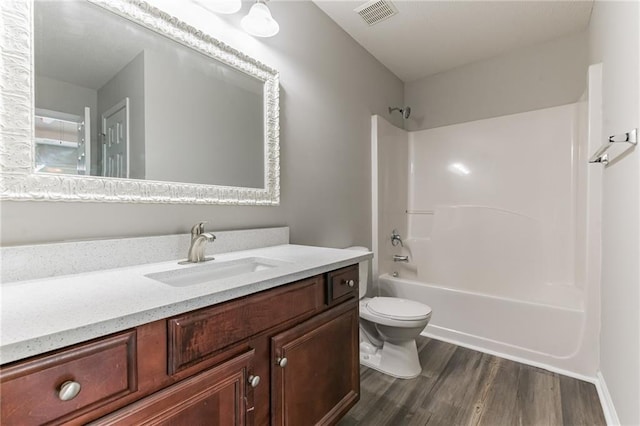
{"x": 405, "y": 112}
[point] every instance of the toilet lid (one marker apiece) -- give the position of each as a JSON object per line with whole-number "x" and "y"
{"x": 397, "y": 308}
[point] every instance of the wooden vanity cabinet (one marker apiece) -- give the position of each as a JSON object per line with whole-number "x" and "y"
{"x": 220, "y": 365}
{"x": 218, "y": 396}
{"x": 315, "y": 379}
{"x": 342, "y": 284}
{"x": 32, "y": 392}
{"x": 196, "y": 336}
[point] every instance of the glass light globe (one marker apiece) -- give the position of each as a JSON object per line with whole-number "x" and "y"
{"x": 259, "y": 21}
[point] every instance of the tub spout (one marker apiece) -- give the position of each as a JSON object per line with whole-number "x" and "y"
{"x": 398, "y": 258}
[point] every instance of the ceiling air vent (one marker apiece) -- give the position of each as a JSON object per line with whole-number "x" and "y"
{"x": 376, "y": 11}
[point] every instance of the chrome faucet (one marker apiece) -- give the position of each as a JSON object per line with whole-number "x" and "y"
{"x": 398, "y": 258}
{"x": 197, "y": 229}
{"x": 199, "y": 238}
{"x": 395, "y": 238}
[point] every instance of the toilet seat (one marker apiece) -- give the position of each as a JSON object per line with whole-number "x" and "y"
{"x": 398, "y": 309}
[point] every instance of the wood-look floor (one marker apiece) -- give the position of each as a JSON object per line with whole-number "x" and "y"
{"x": 459, "y": 386}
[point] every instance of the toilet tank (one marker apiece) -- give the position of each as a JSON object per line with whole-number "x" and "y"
{"x": 364, "y": 271}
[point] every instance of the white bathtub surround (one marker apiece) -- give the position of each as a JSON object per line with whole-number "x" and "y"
{"x": 507, "y": 227}
{"x": 74, "y": 257}
{"x": 44, "y": 314}
{"x": 536, "y": 334}
{"x": 390, "y": 180}
{"x": 502, "y": 229}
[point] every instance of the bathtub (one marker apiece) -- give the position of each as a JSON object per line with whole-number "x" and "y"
{"x": 538, "y": 334}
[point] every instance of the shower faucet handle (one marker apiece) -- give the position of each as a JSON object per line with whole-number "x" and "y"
{"x": 396, "y": 239}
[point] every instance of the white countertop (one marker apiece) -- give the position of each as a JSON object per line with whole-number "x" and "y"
{"x": 50, "y": 313}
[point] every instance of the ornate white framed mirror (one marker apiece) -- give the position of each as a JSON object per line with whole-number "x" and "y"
{"x": 116, "y": 101}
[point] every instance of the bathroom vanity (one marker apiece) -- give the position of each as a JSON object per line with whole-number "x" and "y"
{"x": 116, "y": 331}
{"x": 273, "y": 349}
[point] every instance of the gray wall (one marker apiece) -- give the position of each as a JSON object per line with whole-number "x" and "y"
{"x": 128, "y": 82}
{"x": 615, "y": 41}
{"x": 330, "y": 86}
{"x": 536, "y": 77}
{"x": 202, "y": 125}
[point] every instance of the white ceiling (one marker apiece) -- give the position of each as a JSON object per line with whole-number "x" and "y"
{"x": 82, "y": 44}
{"x": 428, "y": 37}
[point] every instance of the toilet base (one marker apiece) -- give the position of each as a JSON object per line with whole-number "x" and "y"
{"x": 399, "y": 360}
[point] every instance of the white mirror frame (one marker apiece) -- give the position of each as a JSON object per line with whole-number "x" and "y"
{"x": 17, "y": 178}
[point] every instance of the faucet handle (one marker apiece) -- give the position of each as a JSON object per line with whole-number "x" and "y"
{"x": 198, "y": 229}
{"x": 396, "y": 239}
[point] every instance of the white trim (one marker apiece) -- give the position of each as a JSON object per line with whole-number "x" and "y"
{"x": 17, "y": 178}
{"x": 609, "y": 410}
{"x": 374, "y": 198}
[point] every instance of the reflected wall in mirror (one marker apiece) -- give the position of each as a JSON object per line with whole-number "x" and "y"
{"x": 130, "y": 104}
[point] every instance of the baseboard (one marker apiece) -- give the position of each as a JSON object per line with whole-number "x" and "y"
{"x": 515, "y": 358}
{"x": 609, "y": 410}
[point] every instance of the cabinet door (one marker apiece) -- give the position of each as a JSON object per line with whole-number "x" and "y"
{"x": 320, "y": 379}
{"x": 218, "y": 396}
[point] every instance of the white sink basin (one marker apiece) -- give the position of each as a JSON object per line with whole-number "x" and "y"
{"x": 210, "y": 272}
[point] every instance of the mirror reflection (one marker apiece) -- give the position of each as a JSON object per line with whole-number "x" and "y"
{"x": 114, "y": 99}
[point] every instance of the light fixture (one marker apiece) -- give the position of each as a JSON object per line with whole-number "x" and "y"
{"x": 259, "y": 21}
{"x": 221, "y": 6}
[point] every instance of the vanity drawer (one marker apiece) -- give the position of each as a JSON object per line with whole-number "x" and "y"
{"x": 105, "y": 370}
{"x": 198, "y": 335}
{"x": 342, "y": 284}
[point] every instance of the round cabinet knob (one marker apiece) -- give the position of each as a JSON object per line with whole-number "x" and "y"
{"x": 282, "y": 362}
{"x": 254, "y": 381}
{"x": 351, "y": 283}
{"x": 69, "y": 390}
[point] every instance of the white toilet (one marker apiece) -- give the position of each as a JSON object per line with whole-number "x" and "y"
{"x": 388, "y": 329}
